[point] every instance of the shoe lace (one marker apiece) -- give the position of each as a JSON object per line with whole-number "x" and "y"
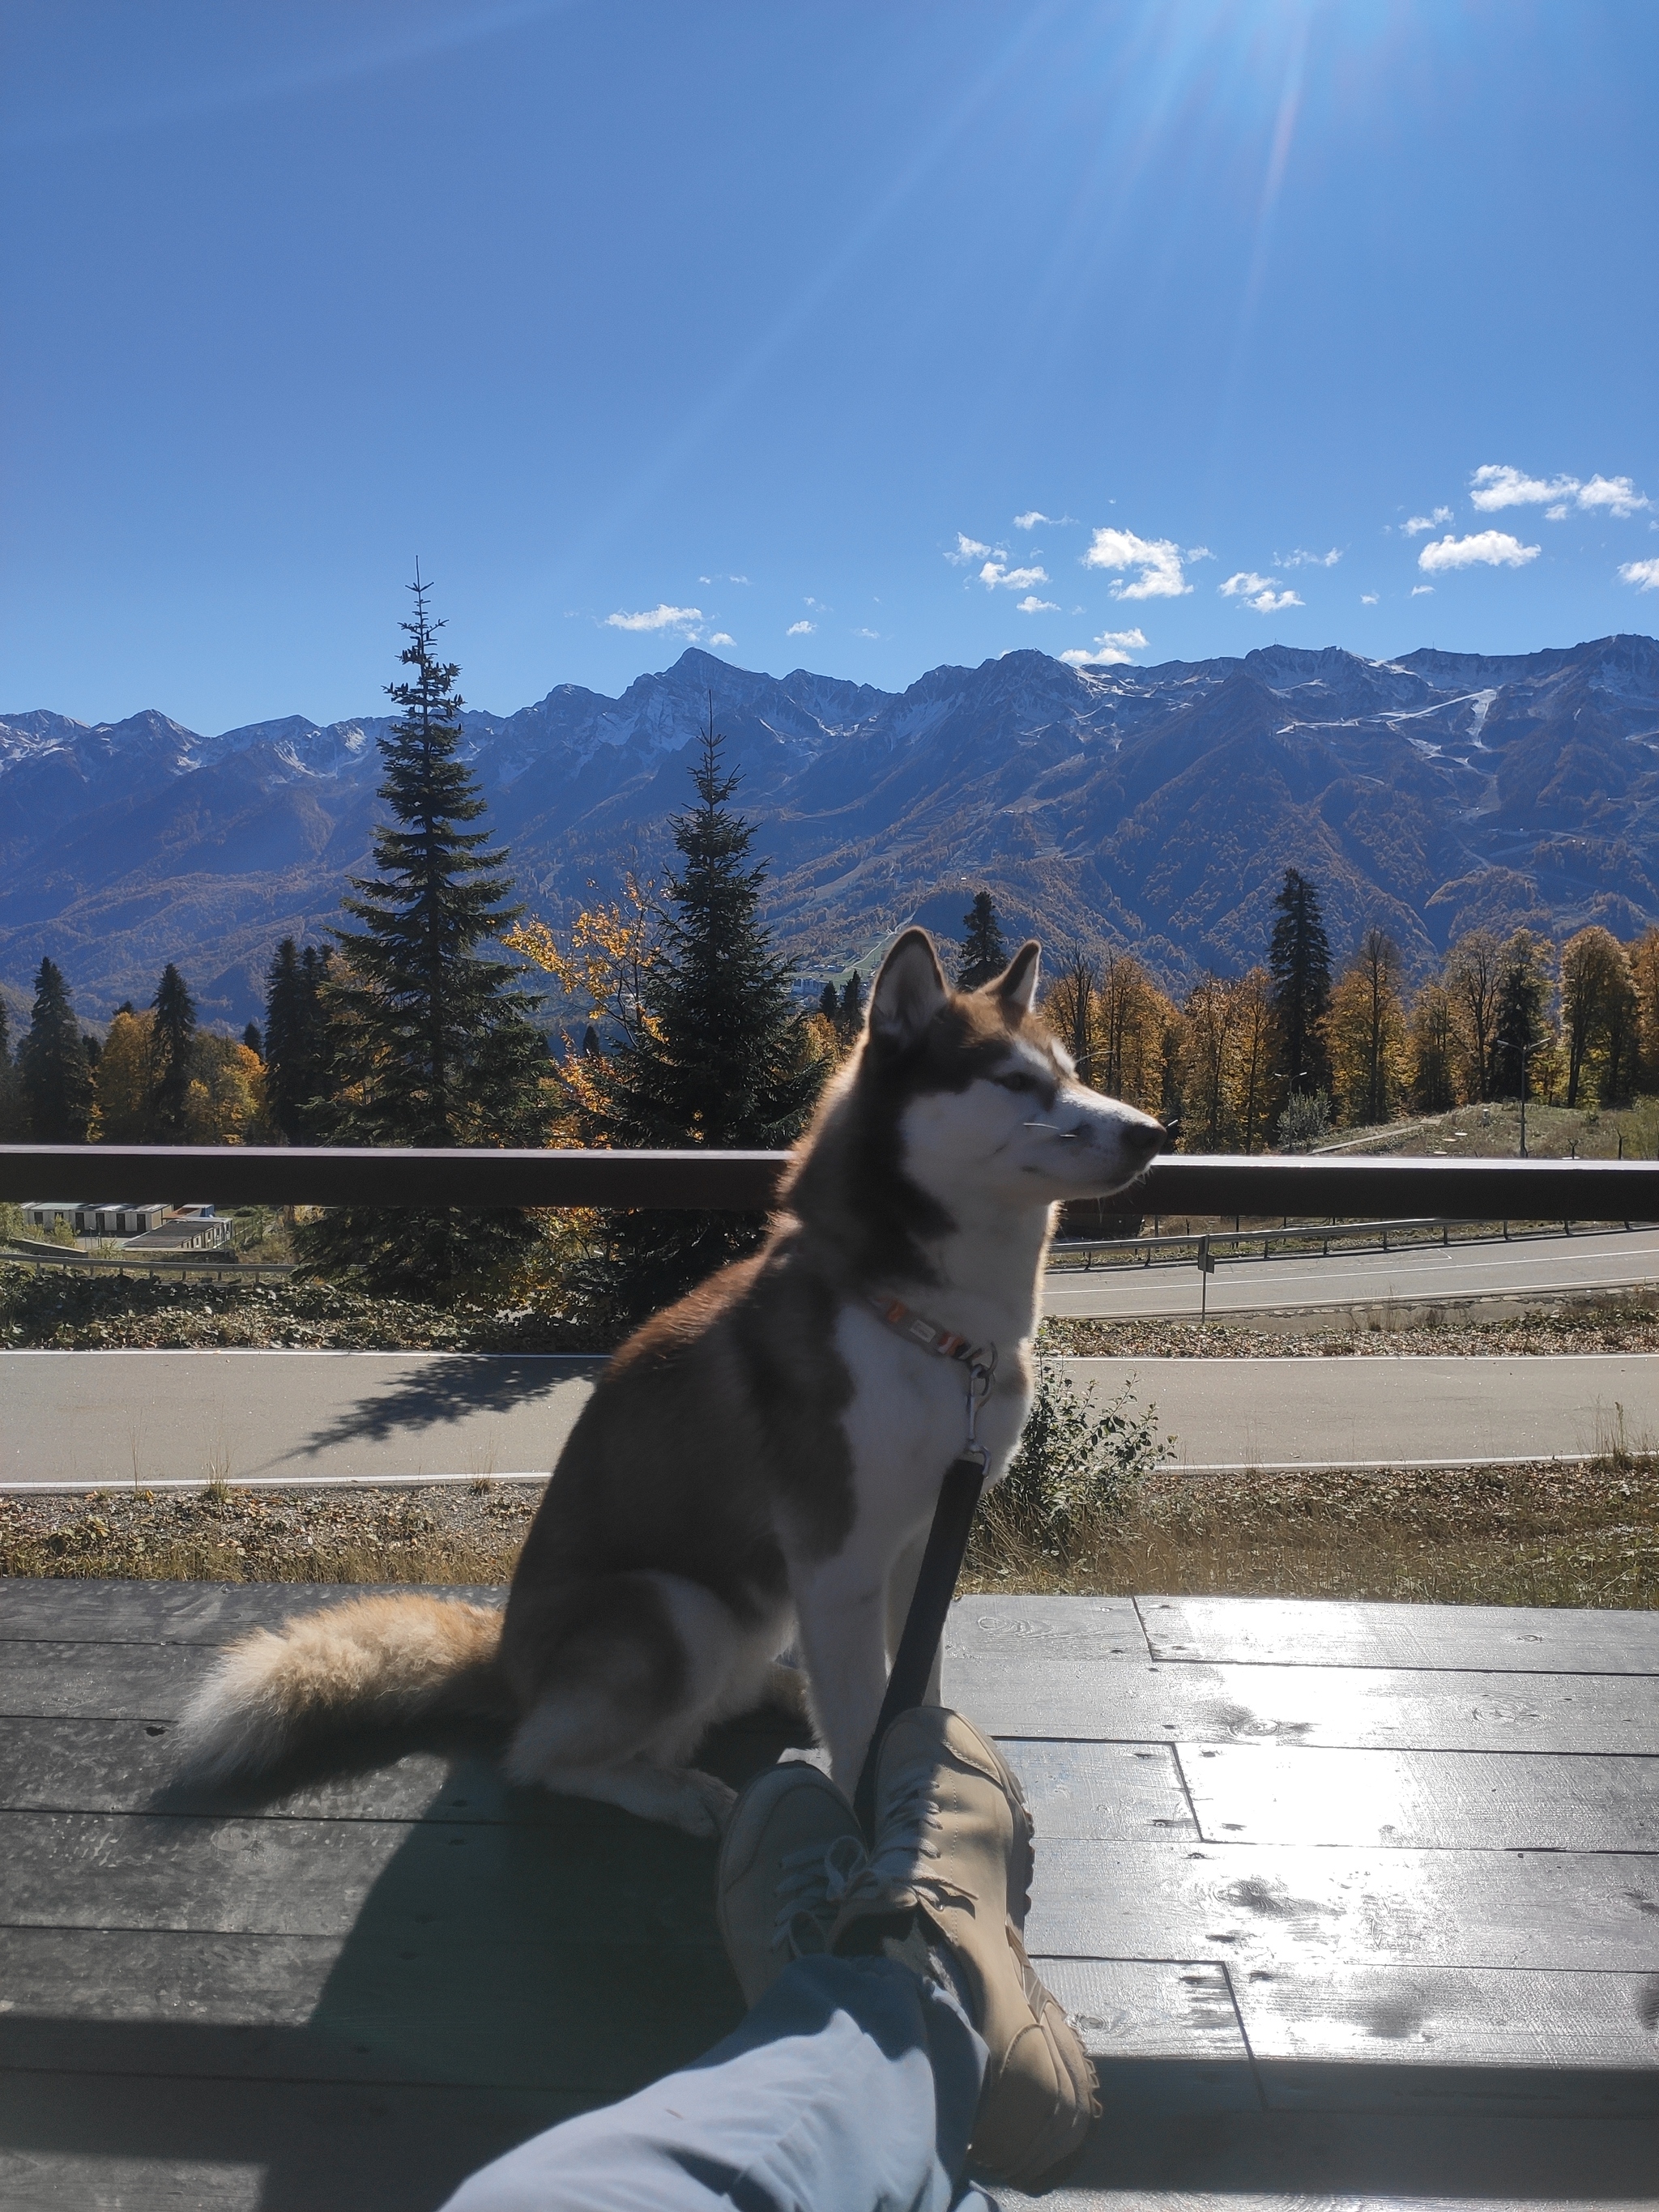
{"x": 909, "y": 1834}
{"x": 813, "y": 1884}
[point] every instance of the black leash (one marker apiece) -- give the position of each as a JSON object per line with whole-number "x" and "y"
{"x": 924, "y": 1624}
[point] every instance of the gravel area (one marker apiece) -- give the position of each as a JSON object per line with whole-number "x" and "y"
{"x": 1593, "y": 1325}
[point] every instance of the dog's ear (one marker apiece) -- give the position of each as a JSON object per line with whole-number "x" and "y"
{"x": 909, "y": 990}
{"x": 1017, "y": 985}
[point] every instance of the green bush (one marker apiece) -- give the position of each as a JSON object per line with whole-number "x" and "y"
{"x": 1075, "y": 1463}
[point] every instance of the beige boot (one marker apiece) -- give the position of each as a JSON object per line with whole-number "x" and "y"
{"x": 790, "y": 1851}
{"x": 953, "y": 1844}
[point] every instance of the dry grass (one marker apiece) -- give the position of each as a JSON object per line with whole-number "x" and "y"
{"x": 1514, "y": 1536}
{"x": 1519, "y": 1535}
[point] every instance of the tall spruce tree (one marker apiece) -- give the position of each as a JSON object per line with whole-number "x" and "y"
{"x": 722, "y": 1059}
{"x": 53, "y": 1071}
{"x": 429, "y": 1039}
{"x": 983, "y": 952}
{"x": 297, "y": 1081}
{"x": 1299, "y": 961}
{"x": 172, "y": 1059}
{"x": 11, "y": 1103}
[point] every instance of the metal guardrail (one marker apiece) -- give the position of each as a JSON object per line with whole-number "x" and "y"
{"x": 1079, "y": 1254}
{"x": 180, "y": 1267}
{"x": 1183, "y": 1183}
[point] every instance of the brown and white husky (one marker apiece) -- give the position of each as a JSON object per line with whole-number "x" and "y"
{"x": 758, "y": 1467}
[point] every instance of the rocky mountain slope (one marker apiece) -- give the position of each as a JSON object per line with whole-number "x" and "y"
{"x": 1156, "y": 806}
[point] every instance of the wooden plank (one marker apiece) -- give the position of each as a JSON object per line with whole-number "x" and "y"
{"x": 1058, "y": 1629}
{"x": 1422, "y": 1709}
{"x": 1102, "y": 1791}
{"x": 80, "y": 2142}
{"x": 1163, "y": 2033}
{"x": 1470, "y": 1801}
{"x": 109, "y": 1681}
{"x": 62, "y": 1610}
{"x": 1317, "y": 1632}
{"x": 1241, "y": 2161}
{"x": 1309, "y": 1907}
{"x": 588, "y": 1866}
{"x": 1359, "y": 2038}
{"x": 592, "y": 2018}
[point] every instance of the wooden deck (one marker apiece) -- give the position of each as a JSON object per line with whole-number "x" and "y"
{"x": 1352, "y": 1902}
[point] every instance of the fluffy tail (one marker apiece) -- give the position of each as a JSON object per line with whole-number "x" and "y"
{"x": 376, "y": 1659}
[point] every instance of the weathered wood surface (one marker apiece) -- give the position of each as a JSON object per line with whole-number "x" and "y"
{"x": 1347, "y": 1901}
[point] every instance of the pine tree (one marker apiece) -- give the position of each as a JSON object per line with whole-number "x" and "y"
{"x": 983, "y": 952}
{"x": 1299, "y": 961}
{"x": 429, "y": 1041}
{"x": 11, "y": 1103}
{"x": 829, "y": 1004}
{"x": 720, "y": 1059}
{"x": 297, "y": 1078}
{"x": 850, "y": 1020}
{"x": 51, "y": 1065}
{"x": 172, "y": 1059}
{"x": 253, "y": 1041}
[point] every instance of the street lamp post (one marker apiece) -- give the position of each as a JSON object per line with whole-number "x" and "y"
{"x": 1526, "y": 1052}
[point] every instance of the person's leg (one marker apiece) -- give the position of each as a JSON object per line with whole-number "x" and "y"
{"x": 851, "y": 2086}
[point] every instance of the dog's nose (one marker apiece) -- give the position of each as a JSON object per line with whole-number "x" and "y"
{"x": 1148, "y": 1137}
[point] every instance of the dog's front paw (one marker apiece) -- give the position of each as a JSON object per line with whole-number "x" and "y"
{"x": 704, "y": 1803}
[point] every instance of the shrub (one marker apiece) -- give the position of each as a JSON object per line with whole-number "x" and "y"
{"x": 1076, "y": 1463}
{"x": 1306, "y": 1119}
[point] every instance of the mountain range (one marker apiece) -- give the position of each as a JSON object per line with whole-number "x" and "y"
{"x": 1155, "y": 807}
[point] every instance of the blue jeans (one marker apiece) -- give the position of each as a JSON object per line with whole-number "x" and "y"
{"x": 850, "y": 2087}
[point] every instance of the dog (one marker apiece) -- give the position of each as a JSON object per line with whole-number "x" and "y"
{"x": 757, "y": 1465}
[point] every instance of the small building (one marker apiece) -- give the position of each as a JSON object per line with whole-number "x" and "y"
{"x": 118, "y": 1218}
{"x": 187, "y": 1229}
{"x": 45, "y": 1213}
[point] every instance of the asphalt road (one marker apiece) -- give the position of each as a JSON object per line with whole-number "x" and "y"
{"x": 94, "y": 1419}
{"x": 1600, "y": 1260}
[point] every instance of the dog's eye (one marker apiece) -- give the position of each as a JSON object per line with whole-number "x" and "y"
{"x": 1016, "y": 1082}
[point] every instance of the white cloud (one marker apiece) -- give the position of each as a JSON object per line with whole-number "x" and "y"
{"x": 801, "y": 630}
{"x": 866, "y": 633}
{"x": 1422, "y": 591}
{"x": 1493, "y": 487}
{"x": 737, "y": 580}
{"x": 1112, "y": 648}
{"x": 1369, "y": 598}
{"x": 1492, "y": 548}
{"x": 1030, "y": 519}
{"x": 722, "y": 637}
{"x": 1643, "y": 574}
{"x": 1199, "y": 553}
{"x": 1012, "y": 579}
{"x": 1259, "y": 593}
{"x": 1617, "y": 494}
{"x": 1417, "y": 524}
{"x": 1030, "y": 604}
{"x": 970, "y": 549}
{"x": 1300, "y": 560}
{"x": 662, "y": 618}
{"x": 1156, "y": 559}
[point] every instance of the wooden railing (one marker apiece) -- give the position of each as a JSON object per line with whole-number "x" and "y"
{"x": 1176, "y": 1184}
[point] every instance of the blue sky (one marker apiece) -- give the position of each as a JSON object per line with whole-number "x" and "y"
{"x": 862, "y": 337}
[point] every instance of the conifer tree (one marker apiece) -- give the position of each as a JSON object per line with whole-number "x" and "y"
{"x": 1300, "y": 963}
{"x": 983, "y": 953}
{"x": 829, "y": 1004}
{"x": 296, "y": 1044}
{"x": 53, "y": 1071}
{"x": 172, "y": 1059}
{"x": 850, "y": 1020}
{"x": 429, "y": 1039}
{"x": 721, "y": 1058}
{"x": 10, "y": 1129}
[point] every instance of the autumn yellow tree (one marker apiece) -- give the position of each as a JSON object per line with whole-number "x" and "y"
{"x": 1071, "y": 1006}
{"x": 121, "y": 1082}
{"x": 1473, "y": 976}
{"x": 1133, "y": 1022}
{"x": 1431, "y": 1050}
{"x": 1365, "y": 1030}
{"x": 1599, "y": 1016}
{"x": 1254, "y": 1080}
{"x": 1644, "y": 960}
{"x": 1209, "y": 1022}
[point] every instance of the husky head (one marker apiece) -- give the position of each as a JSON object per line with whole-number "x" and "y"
{"x": 990, "y": 1099}
{"x": 956, "y": 1102}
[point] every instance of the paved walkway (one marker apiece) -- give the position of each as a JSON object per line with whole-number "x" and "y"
{"x": 1352, "y": 1904}
{"x": 1530, "y": 1267}
{"x": 88, "y": 1420}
